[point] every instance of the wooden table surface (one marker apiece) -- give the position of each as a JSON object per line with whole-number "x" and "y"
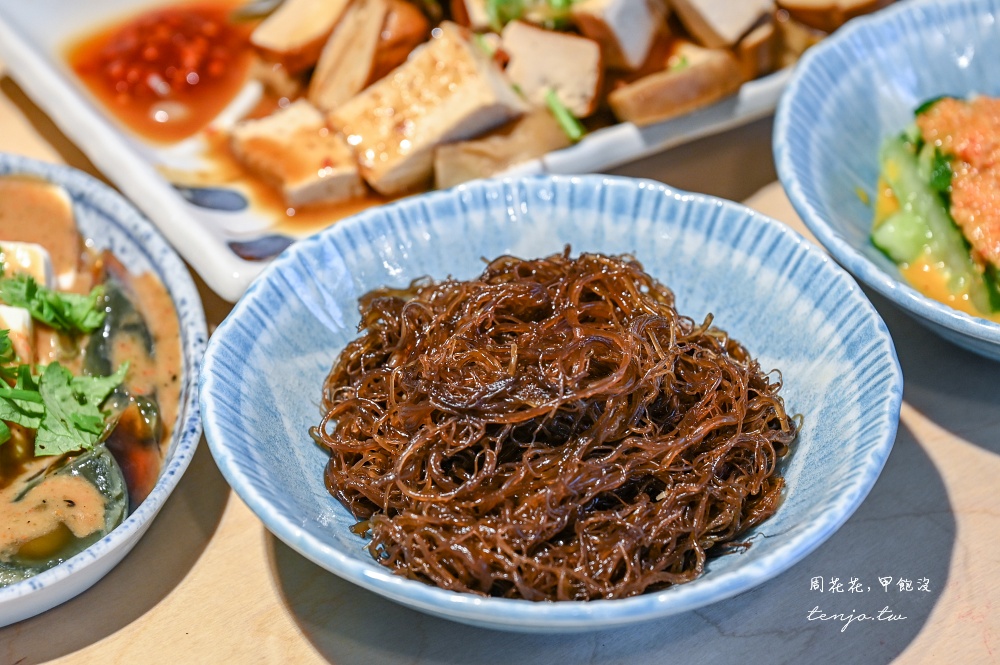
{"x": 208, "y": 584}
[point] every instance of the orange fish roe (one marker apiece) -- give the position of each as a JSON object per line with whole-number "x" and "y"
{"x": 970, "y": 131}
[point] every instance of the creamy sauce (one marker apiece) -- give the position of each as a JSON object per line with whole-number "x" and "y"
{"x": 36, "y": 518}
{"x": 159, "y": 374}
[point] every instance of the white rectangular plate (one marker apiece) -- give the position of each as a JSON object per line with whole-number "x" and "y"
{"x": 33, "y": 36}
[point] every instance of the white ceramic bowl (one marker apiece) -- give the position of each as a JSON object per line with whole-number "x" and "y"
{"x": 105, "y": 217}
{"x": 852, "y": 91}
{"x": 786, "y": 300}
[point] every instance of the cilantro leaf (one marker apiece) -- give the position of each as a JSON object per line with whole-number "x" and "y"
{"x": 21, "y": 404}
{"x": 7, "y": 357}
{"x": 68, "y": 312}
{"x": 73, "y": 419}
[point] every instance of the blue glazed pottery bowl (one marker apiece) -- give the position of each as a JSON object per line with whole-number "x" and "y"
{"x": 851, "y": 92}
{"x": 104, "y": 217}
{"x": 786, "y": 300}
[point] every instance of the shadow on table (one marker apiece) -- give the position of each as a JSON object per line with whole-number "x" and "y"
{"x": 954, "y": 388}
{"x": 904, "y": 529}
{"x": 157, "y": 564}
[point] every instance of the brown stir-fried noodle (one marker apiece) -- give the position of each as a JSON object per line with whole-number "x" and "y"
{"x": 552, "y": 430}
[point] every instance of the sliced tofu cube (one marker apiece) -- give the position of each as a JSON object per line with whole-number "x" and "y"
{"x": 758, "y": 51}
{"x": 697, "y": 77}
{"x": 346, "y": 63}
{"x": 828, "y": 15}
{"x": 28, "y": 258}
{"x": 625, "y": 29}
{"x": 448, "y": 90}
{"x": 373, "y": 38}
{"x": 543, "y": 60}
{"x": 530, "y": 136}
{"x": 295, "y": 33}
{"x": 18, "y": 321}
{"x": 297, "y": 153}
{"x": 720, "y": 23}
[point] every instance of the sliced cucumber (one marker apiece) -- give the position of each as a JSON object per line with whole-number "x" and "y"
{"x": 992, "y": 279}
{"x": 909, "y": 178}
{"x": 902, "y": 237}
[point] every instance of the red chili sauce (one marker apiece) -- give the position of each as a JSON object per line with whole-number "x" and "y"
{"x": 168, "y": 72}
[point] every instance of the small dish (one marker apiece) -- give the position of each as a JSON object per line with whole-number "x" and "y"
{"x": 103, "y": 216}
{"x": 266, "y": 363}
{"x": 846, "y": 96}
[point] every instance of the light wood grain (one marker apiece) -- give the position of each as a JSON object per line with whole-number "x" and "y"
{"x": 208, "y": 584}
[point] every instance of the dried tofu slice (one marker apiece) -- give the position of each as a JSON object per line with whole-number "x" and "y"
{"x": 448, "y": 90}
{"x": 543, "y": 60}
{"x": 346, "y": 63}
{"x": 532, "y": 135}
{"x": 721, "y": 23}
{"x": 698, "y": 77}
{"x": 625, "y": 29}
{"x": 296, "y": 152}
{"x": 295, "y": 33}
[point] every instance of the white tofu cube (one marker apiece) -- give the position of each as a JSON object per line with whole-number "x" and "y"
{"x": 18, "y": 321}
{"x": 29, "y": 259}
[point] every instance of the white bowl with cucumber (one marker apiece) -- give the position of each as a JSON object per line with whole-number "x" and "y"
{"x": 879, "y": 143}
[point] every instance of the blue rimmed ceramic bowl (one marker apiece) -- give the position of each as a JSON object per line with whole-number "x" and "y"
{"x": 104, "y": 217}
{"x": 785, "y": 299}
{"x": 852, "y": 91}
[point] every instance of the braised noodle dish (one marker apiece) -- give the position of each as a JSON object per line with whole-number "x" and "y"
{"x": 550, "y": 430}
{"x": 89, "y": 382}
